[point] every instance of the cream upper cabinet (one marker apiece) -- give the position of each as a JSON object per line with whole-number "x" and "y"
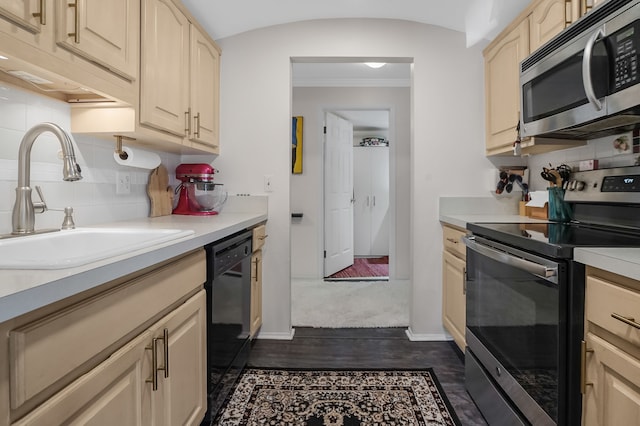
{"x": 101, "y": 64}
{"x": 453, "y": 284}
{"x": 547, "y": 19}
{"x": 205, "y": 91}
{"x": 29, "y": 14}
{"x": 180, "y": 77}
{"x": 502, "y": 87}
{"x": 164, "y": 74}
{"x": 611, "y": 350}
{"x": 105, "y": 32}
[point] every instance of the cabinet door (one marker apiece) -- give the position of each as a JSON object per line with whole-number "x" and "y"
{"x": 105, "y": 32}
{"x": 110, "y": 394}
{"x": 547, "y": 19}
{"x": 613, "y": 398}
{"x": 180, "y": 398}
{"x": 205, "y": 80}
{"x": 256, "y": 291}
{"x": 502, "y": 88}
{"x": 164, "y": 73}
{"x": 379, "y": 169}
{"x": 454, "y": 297}
{"x": 28, "y": 14}
{"x": 371, "y": 206}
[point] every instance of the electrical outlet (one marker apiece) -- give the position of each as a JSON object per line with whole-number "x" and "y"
{"x": 123, "y": 183}
{"x": 268, "y": 187}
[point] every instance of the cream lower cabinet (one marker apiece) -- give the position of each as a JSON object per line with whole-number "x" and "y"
{"x": 256, "y": 292}
{"x": 453, "y": 285}
{"x": 132, "y": 353}
{"x": 259, "y": 237}
{"x": 611, "y": 350}
{"x": 131, "y": 387}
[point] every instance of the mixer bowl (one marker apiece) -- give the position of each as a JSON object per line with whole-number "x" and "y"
{"x": 210, "y": 196}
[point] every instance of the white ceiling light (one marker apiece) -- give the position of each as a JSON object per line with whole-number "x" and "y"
{"x": 375, "y": 64}
{"x": 3, "y": 57}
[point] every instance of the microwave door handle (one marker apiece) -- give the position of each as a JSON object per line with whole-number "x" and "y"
{"x": 542, "y": 271}
{"x": 586, "y": 69}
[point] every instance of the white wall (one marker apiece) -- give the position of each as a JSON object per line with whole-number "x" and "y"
{"x": 307, "y": 188}
{"x": 94, "y": 198}
{"x": 447, "y": 137}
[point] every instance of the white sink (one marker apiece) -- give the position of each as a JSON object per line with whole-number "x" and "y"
{"x": 75, "y": 247}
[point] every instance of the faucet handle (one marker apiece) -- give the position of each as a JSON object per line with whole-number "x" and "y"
{"x": 68, "y": 222}
{"x": 40, "y": 206}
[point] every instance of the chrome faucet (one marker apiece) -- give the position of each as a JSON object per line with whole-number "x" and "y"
{"x": 24, "y": 208}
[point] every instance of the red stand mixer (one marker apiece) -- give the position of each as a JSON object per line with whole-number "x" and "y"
{"x": 199, "y": 196}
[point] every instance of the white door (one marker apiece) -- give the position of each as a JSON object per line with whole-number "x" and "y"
{"x": 338, "y": 194}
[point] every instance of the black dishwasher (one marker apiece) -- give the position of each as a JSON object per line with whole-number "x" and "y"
{"x": 228, "y": 288}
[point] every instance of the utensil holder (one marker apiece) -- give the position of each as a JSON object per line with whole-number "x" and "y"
{"x": 559, "y": 210}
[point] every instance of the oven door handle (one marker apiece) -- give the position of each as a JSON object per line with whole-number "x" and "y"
{"x": 542, "y": 271}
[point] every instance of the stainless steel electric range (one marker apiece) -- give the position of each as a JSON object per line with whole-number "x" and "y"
{"x": 525, "y": 300}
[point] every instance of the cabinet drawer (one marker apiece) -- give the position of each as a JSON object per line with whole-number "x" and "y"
{"x": 605, "y": 301}
{"x": 55, "y": 347}
{"x": 259, "y": 236}
{"x": 452, "y": 241}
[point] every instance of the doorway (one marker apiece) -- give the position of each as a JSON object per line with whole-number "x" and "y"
{"x": 321, "y": 85}
{"x": 370, "y": 196}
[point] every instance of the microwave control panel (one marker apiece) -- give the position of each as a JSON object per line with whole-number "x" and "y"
{"x": 624, "y": 44}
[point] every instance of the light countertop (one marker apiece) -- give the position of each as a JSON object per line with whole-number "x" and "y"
{"x": 621, "y": 261}
{"x": 461, "y": 220}
{"x": 22, "y": 291}
{"x": 458, "y": 211}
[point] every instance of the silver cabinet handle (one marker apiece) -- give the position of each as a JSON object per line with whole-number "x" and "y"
{"x": 76, "y": 22}
{"x": 586, "y": 69}
{"x": 165, "y": 341}
{"x": 542, "y": 271}
{"x": 627, "y": 320}
{"x": 374, "y": 201}
{"x": 154, "y": 364}
{"x": 187, "y": 122}
{"x": 42, "y": 14}
{"x": 196, "y": 124}
{"x": 583, "y": 367}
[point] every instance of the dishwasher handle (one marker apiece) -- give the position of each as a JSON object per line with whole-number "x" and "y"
{"x": 543, "y": 271}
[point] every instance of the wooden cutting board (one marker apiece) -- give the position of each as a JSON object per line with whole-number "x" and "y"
{"x": 160, "y": 193}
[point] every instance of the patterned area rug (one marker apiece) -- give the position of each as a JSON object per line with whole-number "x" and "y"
{"x": 337, "y": 398}
{"x": 365, "y": 267}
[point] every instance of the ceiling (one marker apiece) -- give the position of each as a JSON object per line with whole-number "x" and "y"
{"x": 477, "y": 18}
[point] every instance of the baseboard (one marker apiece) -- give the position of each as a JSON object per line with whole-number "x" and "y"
{"x": 276, "y": 336}
{"x": 433, "y": 337}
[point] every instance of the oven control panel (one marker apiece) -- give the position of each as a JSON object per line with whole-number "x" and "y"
{"x": 618, "y": 185}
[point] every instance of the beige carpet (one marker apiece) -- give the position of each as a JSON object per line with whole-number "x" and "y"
{"x": 345, "y": 304}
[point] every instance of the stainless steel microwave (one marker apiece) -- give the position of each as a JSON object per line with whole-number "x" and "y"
{"x": 585, "y": 83}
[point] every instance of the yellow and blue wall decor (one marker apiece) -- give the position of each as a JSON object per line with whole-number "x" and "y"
{"x": 296, "y": 145}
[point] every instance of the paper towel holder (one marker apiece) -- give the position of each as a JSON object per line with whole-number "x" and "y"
{"x": 121, "y": 153}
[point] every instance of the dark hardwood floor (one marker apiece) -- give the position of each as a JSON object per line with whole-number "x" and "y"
{"x": 362, "y": 348}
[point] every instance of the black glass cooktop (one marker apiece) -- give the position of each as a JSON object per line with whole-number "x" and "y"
{"x": 555, "y": 239}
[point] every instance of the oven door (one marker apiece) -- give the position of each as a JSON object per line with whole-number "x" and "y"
{"x": 516, "y": 326}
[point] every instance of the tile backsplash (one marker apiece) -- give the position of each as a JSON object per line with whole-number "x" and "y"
{"x": 605, "y": 150}
{"x": 94, "y": 198}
